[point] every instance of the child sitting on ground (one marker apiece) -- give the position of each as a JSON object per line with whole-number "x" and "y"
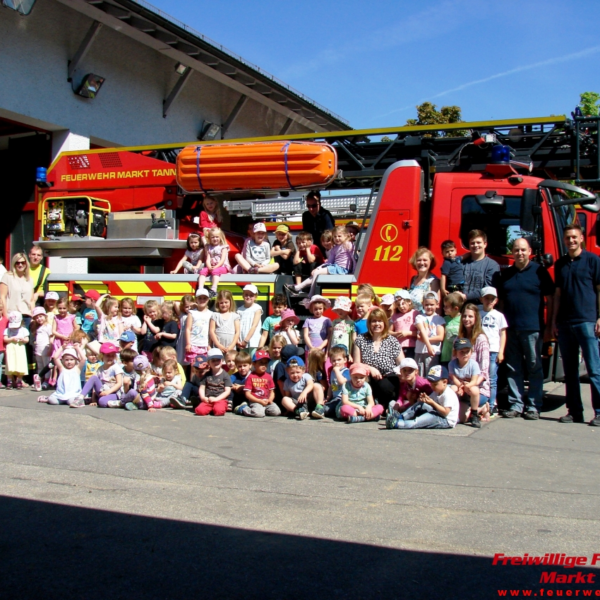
{"x": 214, "y": 388}
{"x": 298, "y": 388}
{"x": 257, "y": 256}
{"x": 466, "y": 377}
{"x": 171, "y": 384}
{"x": 453, "y": 270}
{"x": 243, "y": 363}
{"x": 191, "y": 389}
{"x": 412, "y": 385}
{"x": 357, "y": 403}
{"x": 339, "y": 375}
{"x": 130, "y": 376}
{"x": 436, "y": 411}
{"x": 70, "y": 361}
{"x": 146, "y": 385}
{"x": 259, "y": 390}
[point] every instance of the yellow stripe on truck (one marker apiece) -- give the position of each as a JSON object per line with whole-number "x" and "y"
{"x": 177, "y": 287}
{"x": 134, "y": 287}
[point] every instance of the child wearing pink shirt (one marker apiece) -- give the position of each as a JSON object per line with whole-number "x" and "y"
{"x": 403, "y": 323}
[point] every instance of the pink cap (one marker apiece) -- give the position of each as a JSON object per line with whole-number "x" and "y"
{"x": 360, "y": 369}
{"x": 289, "y": 313}
{"x": 109, "y": 348}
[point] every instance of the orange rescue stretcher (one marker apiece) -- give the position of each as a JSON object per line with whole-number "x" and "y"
{"x": 256, "y": 166}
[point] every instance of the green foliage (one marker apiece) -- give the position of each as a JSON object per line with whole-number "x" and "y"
{"x": 428, "y": 114}
{"x": 588, "y": 101}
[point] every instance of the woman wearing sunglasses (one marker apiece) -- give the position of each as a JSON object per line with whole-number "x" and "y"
{"x": 16, "y": 289}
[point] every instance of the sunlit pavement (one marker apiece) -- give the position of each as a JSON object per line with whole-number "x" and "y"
{"x": 513, "y": 486}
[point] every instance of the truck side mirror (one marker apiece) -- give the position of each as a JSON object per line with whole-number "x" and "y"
{"x": 529, "y": 202}
{"x": 547, "y": 260}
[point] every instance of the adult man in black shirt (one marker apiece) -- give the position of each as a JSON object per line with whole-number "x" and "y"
{"x": 576, "y": 322}
{"x": 523, "y": 288}
{"x": 316, "y": 219}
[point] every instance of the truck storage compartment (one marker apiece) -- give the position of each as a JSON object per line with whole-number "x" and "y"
{"x": 256, "y": 166}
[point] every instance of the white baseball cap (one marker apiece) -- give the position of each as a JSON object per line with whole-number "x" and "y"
{"x": 202, "y": 292}
{"x": 489, "y": 291}
{"x": 387, "y": 300}
{"x": 260, "y": 227}
{"x": 408, "y": 363}
{"x": 251, "y": 288}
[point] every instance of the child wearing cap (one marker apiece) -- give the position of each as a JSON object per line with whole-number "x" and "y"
{"x": 338, "y": 376}
{"x": 342, "y": 328}
{"x": 278, "y": 305}
{"x": 357, "y": 404}
{"x": 353, "y": 229}
{"x": 452, "y": 270}
{"x": 316, "y": 329}
{"x": 297, "y": 389}
{"x": 146, "y": 385}
{"x": 70, "y": 361}
{"x": 283, "y": 250}
{"x": 250, "y": 319}
{"x": 494, "y": 325}
{"x": 286, "y": 327}
{"x": 191, "y": 388}
{"x": 430, "y": 328}
{"x": 466, "y": 377}
{"x": 438, "y": 410}
{"x": 106, "y": 387}
{"x": 257, "y": 254}
{"x": 402, "y": 323}
{"x": 89, "y": 314}
{"x": 127, "y": 340}
{"x": 197, "y": 327}
{"x": 412, "y": 385}
{"x": 259, "y": 390}
{"x": 214, "y": 388}
{"x": 50, "y": 300}
{"x": 387, "y": 305}
{"x": 16, "y": 337}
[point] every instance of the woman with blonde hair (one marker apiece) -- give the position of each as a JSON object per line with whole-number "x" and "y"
{"x": 422, "y": 261}
{"x": 16, "y": 289}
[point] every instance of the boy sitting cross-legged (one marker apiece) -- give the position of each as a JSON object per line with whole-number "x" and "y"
{"x": 259, "y": 389}
{"x": 215, "y": 387}
{"x": 436, "y": 411}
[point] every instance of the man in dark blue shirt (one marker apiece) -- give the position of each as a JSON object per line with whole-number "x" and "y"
{"x": 523, "y": 289}
{"x": 576, "y": 321}
{"x": 316, "y": 219}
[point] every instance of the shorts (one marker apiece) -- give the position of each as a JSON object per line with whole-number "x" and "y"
{"x": 195, "y": 351}
{"x": 336, "y": 270}
{"x": 467, "y": 399}
{"x": 205, "y": 272}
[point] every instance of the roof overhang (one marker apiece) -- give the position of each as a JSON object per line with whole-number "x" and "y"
{"x": 149, "y": 26}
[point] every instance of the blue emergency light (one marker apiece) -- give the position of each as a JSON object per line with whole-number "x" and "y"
{"x": 500, "y": 155}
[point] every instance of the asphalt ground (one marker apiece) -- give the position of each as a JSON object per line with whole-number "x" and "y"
{"x": 101, "y": 503}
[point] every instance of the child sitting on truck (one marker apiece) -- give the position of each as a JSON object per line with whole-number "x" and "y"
{"x": 257, "y": 254}
{"x": 210, "y": 216}
{"x": 191, "y": 260}
{"x": 453, "y": 271}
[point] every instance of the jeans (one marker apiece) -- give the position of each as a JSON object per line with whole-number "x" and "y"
{"x": 493, "y": 379}
{"x": 421, "y": 416}
{"x": 571, "y": 337}
{"x": 524, "y": 348}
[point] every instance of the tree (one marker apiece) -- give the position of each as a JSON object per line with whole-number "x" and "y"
{"x": 428, "y": 114}
{"x": 588, "y": 101}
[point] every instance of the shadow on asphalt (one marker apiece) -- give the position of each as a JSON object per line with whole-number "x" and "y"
{"x": 55, "y": 551}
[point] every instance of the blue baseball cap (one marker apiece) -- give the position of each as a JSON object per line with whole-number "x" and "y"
{"x": 127, "y": 336}
{"x": 437, "y": 373}
{"x": 294, "y": 361}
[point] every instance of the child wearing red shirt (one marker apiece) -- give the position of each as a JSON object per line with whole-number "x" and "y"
{"x": 259, "y": 389}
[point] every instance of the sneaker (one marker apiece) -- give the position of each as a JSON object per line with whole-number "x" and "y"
{"x": 474, "y": 421}
{"x": 511, "y": 414}
{"x": 356, "y": 419}
{"x": 391, "y": 419}
{"x": 78, "y": 402}
{"x": 2, "y": 386}
{"x": 595, "y": 422}
{"x": 9, "y": 384}
{"x": 37, "y": 383}
{"x": 291, "y": 289}
{"x": 113, "y": 404}
{"x": 239, "y": 410}
{"x": 570, "y": 419}
{"x": 176, "y": 401}
{"x": 318, "y": 413}
{"x": 211, "y": 293}
{"x": 531, "y": 415}
{"x": 131, "y": 406}
{"x": 494, "y": 410}
{"x": 301, "y": 413}
{"x": 45, "y": 386}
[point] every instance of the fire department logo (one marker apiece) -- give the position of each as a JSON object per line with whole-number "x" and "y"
{"x": 389, "y": 233}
